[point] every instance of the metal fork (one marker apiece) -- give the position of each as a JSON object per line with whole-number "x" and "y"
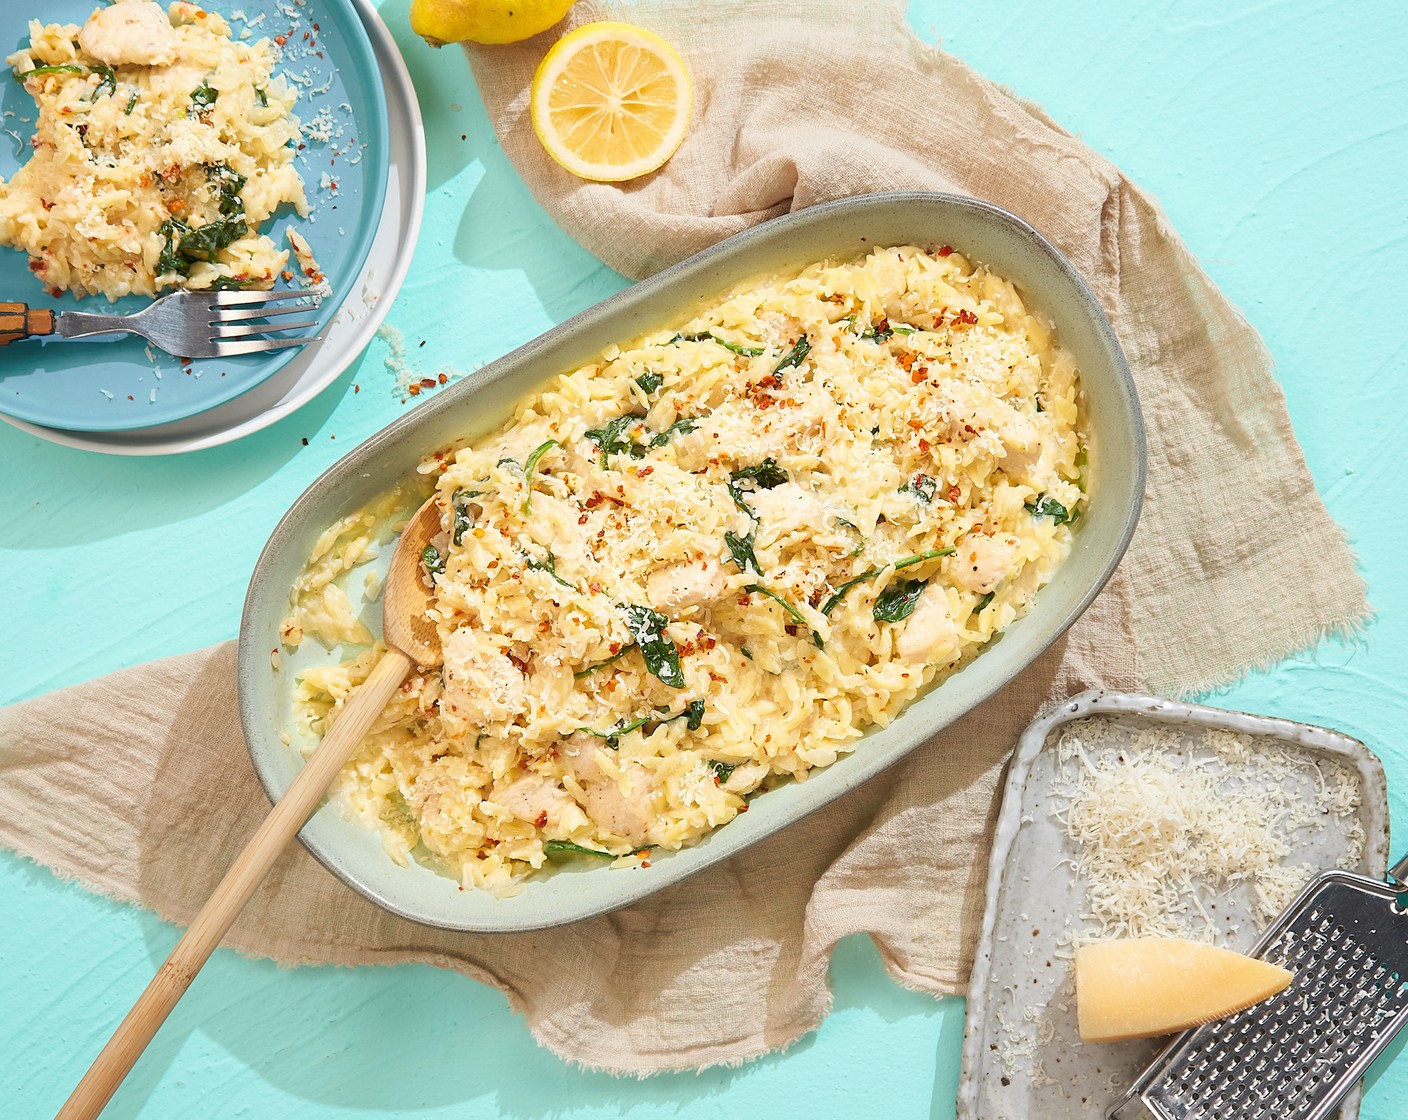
{"x": 217, "y": 324}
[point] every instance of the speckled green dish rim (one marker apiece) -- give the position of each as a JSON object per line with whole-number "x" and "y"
{"x": 484, "y": 400}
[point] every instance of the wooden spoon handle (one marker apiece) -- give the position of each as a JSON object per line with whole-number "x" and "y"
{"x": 191, "y": 952}
{"x": 19, "y": 320}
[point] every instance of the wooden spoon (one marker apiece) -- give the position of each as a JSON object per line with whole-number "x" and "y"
{"x": 411, "y": 638}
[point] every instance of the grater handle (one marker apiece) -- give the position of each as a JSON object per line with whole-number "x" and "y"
{"x": 1398, "y": 874}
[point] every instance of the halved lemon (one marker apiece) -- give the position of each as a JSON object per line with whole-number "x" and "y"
{"x": 611, "y": 101}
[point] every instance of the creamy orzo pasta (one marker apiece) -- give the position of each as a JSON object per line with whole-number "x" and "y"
{"x": 161, "y": 147}
{"x": 706, "y": 562}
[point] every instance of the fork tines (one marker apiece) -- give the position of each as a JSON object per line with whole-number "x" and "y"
{"x": 232, "y": 297}
{"x": 238, "y": 315}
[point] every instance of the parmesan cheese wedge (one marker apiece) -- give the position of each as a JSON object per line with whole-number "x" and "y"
{"x": 1145, "y": 986}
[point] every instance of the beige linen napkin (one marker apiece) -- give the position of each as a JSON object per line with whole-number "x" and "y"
{"x": 794, "y": 107}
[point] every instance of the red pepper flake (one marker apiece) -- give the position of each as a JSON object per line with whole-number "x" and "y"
{"x": 945, "y": 250}
{"x": 281, "y": 39}
{"x": 413, "y": 389}
{"x": 967, "y": 318}
{"x": 644, "y": 471}
{"x": 356, "y": 388}
{"x": 185, "y": 361}
{"x": 582, "y": 520}
{"x": 905, "y": 360}
{"x": 920, "y": 375}
{"x": 954, "y": 493}
{"x": 542, "y": 821}
{"x": 427, "y": 382}
{"x": 443, "y": 378}
{"x": 924, "y": 447}
{"x": 916, "y": 424}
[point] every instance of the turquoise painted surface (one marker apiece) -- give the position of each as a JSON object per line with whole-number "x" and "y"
{"x": 1277, "y": 139}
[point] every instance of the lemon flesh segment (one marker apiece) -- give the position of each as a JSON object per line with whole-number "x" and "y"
{"x": 611, "y": 101}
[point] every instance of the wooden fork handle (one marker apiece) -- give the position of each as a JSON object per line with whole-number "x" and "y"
{"x": 290, "y": 814}
{"x": 19, "y": 320}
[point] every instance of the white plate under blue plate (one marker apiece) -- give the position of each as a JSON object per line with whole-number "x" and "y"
{"x": 66, "y": 385}
{"x": 315, "y": 367}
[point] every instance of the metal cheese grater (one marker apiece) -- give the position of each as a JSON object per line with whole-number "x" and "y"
{"x": 1295, "y": 1055}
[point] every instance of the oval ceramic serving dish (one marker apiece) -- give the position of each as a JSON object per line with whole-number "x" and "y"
{"x": 485, "y": 399}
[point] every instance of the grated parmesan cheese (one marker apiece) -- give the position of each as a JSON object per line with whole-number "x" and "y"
{"x": 1160, "y": 828}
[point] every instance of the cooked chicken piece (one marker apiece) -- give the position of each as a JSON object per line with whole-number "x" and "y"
{"x": 929, "y": 634}
{"x": 623, "y": 808}
{"x": 531, "y": 798}
{"x": 1023, "y": 444}
{"x": 552, "y": 523}
{"x": 693, "y": 583}
{"x": 785, "y": 511}
{"x": 482, "y": 685}
{"x": 981, "y": 562}
{"x": 130, "y": 33}
{"x": 578, "y": 753}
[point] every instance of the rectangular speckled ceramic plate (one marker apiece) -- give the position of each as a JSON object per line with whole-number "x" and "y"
{"x": 1022, "y": 1054}
{"x": 482, "y": 401}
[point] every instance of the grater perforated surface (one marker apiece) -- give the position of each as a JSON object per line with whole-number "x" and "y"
{"x": 1295, "y": 1055}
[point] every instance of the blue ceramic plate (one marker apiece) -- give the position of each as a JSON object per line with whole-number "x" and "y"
{"x": 113, "y": 384}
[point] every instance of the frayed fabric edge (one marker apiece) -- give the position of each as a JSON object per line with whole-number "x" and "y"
{"x": 754, "y": 1049}
{"x": 1349, "y": 628}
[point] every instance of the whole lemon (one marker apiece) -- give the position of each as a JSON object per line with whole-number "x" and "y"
{"x": 483, "y": 21}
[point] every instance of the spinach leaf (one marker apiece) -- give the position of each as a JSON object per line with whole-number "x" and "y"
{"x": 613, "y": 439}
{"x": 622, "y": 726}
{"x": 531, "y": 465}
{"x": 922, "y": 487}
{"x": 203, "y": 97}
{"x": 764, "y": 476}
{"x": 1047, "y": 506}
{"x": 898, "y": 601}
{"x": 590, "y": 669}
{"x": 46, "y": 71}
{"x": 709, "y": 336}
{"x": 879, "y": 332}
{"x": 679, "y": 427}
{"x": 227, "y": 183}
{"x": 131, "y": 103}
{"x": 740, "y": 549}
{"x": 661, "y": 657}
{"x": 550, "y": 566}
{"x": 723, "y": 770}
{"x": 173, "y": 229}
{"x": 918, "y": 558}
{"x": 204, "y": 242}
{"x": 433, "y": 561}
{"x": 693, "y": 715}
{"x": 797, "y": 615}
{"x": 567, "y": 848}
{"x": 650, "y": 382}
{"x": 261, "y": 95}
{"x": 794, "y": 356}
{"x": 461, "y": 522}
{"x": 982, "y": 603}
